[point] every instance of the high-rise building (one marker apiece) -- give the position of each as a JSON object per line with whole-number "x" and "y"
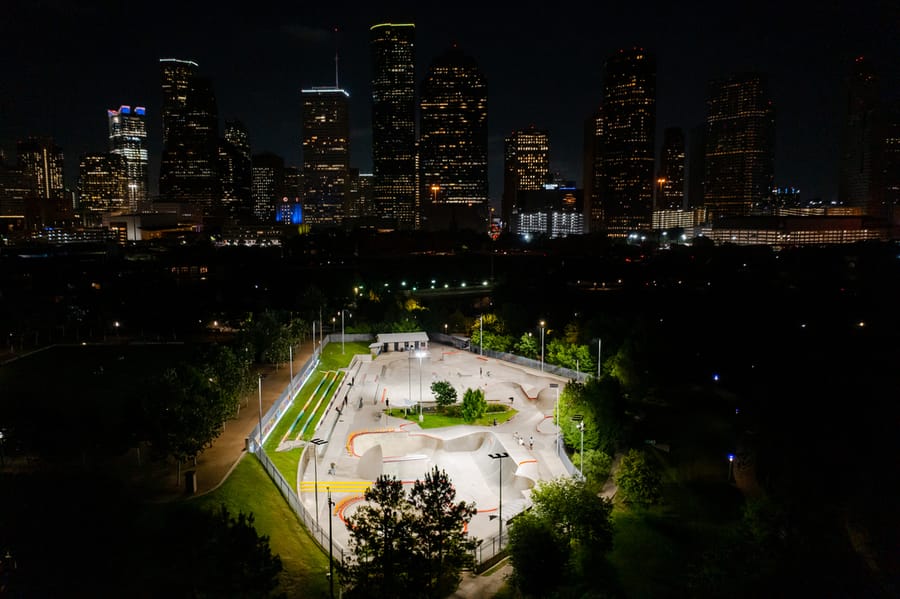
{"x": 42, "y": 161}
{"x": 267, "y": 189}
{"x": 103, "y": 184}
{"x": 394, "y": 124}
{"x": 858, "y": 185}
{"x": 235, "y": 170}
{"x": 189, "y": 167}
{"x": 696, "y": 165}
{"x": 526, "y": 167}
{"x": 628, "y": 141}
{"x": 891, "y": 160}
{"x": 453, "y": 138}
{"x": 740, "y": 145}
{"x": 176, "y": 81}
{"x": 326, "y": 155}
{"x": 128, "y": 139}
{"x": 592, "y": 172}
{"x": 670, "y": 179}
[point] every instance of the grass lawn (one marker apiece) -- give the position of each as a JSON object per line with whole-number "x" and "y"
{"x": 249, "y": 490}
{"x": 331, "y": 360}
{"x": 436, "y": 420}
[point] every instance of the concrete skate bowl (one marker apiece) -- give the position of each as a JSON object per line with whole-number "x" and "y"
{"x": 500, "y": 392}
{"x": 462, "y": 453}
{"x": 546, "y": 399}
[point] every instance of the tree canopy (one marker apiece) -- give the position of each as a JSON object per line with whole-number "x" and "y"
{"x": 561, "y": 541}
{"x": 408, "y": 546}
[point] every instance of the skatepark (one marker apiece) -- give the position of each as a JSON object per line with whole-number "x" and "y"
{"x": 358, "y": 441}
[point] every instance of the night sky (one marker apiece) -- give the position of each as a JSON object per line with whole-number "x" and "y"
{"x": 65, "y": 62}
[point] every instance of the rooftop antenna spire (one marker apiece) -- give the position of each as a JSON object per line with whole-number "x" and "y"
{"x": 336, "y": 82}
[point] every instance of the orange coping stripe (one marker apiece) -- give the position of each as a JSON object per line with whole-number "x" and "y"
{"x": 527, "y": 462}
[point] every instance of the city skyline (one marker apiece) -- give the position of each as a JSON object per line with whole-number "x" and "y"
{"x": 542, "y": 69}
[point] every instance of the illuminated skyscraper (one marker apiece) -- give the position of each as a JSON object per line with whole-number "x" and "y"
{"x": 128, "y": 139}
{"x": 394, "y": 123}
{"x": 670, "y": 179}
{"x": 526, "y": 167}
{"x": 453, "y": 144}
{"x": 235, "y": 170}
{"x": 176, "y": 81}
{"x": 326, "y": 155}
{"x": 102, "y": 184}
{"x": 628, "y": 141}
{"x": 860, "y": 148}
{"x": 268, "y": 185}
{"x": 592, "y": 173}
{"x": 190, "y": 160}
{"x": 740, "y": 145}
{"x": 42, "y": 162}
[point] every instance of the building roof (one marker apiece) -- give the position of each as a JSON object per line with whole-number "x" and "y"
{"x": 401, "y": 337}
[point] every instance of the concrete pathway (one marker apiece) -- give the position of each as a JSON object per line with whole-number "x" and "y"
{"x": 483, "y": 586}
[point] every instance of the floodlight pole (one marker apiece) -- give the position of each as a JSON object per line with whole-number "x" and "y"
{"x": 500, "y": 456}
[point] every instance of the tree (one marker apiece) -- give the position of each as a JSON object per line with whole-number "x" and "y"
{"x": 638, "y": 479}
{"x": 527, "y": 346}
{"x": 595, "y": 467}
{"x": 214, "y": 554}
{"x": 408, "y": 546}
{"x": 473, "y": 405}
{"x": 538, "y": 554}
{"x": 442, "y": 545}
{"x": 444, "y": 393}
{"x": 381, "y": 543}
{"x": 569, "y": 526}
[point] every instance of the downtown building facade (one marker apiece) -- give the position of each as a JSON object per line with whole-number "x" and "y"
{"x": 453, "y": 135}
{"x": 394, "y": 181}
{"x": 670, "y": 178}
{"x": 128, "y": 140}
{"x": 102, "y": 185}
{"x": 41, "y": 163}
{"x": 623, "y": 147}
{"x": 326, "y": 155}
{"x": 526, "y": 167}
{"x": 189, "y": 167}
{"x": 739, "y": 156}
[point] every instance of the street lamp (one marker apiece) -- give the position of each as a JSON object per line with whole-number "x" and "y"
{"x": 435, "y": 190}
{"x": 420, "y": 354}
{"x": 579, "y": 418}
{"x": 259, "y": 437}
{"x": 330, "y": 549}
{"x": 316, "y": 442}
{"x": 556, "y": 414}
{"x": 481, "y": 335}
{"x": 500, "y": 456}
{"x": 342, "y": 328}
{"x": 542, "y": 345}
{"x": 730, "y": 467}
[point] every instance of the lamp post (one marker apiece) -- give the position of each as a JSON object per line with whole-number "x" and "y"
{"x": 420, "y": 354}
{"x": 500, "y": 456}
{"x": 291, "y": 363}
{"x": 342, "y": 327}
{"x": 660, "y": 181}
{"x": 259, "y": 437}
{"x": 556, "y": 414}
{"x": 330, "y": 549}
{"x": 542, "y": 345}
{"x": 730, "y": 467}
{"x": 599, "y": 361}
{"x": 481, "y": 335}
{"x": 316, "y": 443}
{"x": 579, "y": 418}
